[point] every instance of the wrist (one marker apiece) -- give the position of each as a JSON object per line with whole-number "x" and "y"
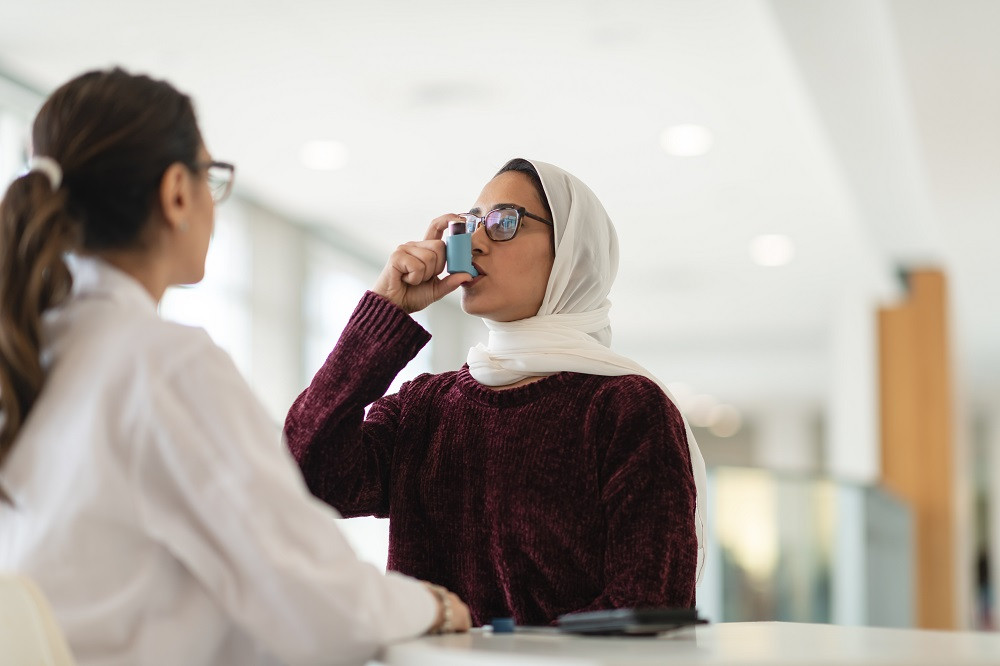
{"x": 445, "y": 622}
{"x": 393, "y": 297}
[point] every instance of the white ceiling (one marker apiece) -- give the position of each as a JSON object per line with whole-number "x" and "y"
{"x": 868, "y": 131}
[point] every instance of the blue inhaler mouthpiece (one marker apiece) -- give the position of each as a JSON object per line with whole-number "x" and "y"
{"x": 458, "y": 250}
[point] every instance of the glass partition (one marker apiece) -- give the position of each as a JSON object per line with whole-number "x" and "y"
{"x": 805, "y": 549}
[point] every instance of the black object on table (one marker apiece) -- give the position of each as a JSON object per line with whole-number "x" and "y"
{"x": 628, "y": 621}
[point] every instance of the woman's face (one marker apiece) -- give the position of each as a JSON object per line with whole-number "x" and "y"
{"x": 514, "y": 273}
{"x": 201, "y": 224}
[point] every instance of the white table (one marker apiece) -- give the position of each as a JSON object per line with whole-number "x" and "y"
{"x": 733, "y": 644}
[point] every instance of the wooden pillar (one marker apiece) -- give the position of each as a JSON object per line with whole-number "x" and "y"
{"x": 917, "y": 437}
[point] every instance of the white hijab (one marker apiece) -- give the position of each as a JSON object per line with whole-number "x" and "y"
{"x": 572, "y": 330}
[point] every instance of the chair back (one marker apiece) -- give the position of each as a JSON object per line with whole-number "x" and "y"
{"x": 29, "y": 635}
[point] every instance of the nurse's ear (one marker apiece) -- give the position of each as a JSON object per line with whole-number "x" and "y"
{"x": 176, "y": 195}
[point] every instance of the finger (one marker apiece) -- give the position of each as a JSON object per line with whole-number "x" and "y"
{"x": 439, "y": 224}
{"x": 428, "y": 257}
{"x": 449, "y": 284}
{"x": 442, "y": 262}
{"x": 440, "y": 251}
{"x": 409, "y": 266}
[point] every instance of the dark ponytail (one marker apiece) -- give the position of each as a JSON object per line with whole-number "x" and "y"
{"x": 35, "y": 231}
{"x": 113, "y": 134}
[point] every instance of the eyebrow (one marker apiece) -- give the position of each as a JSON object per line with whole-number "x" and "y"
{"x": 479, "y": 211}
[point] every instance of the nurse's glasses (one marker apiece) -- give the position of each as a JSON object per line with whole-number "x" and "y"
{"x": 220, "y": 178}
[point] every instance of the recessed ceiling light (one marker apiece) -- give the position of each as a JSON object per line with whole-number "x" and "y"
{"x": 323, "y": 155}
{"x": 687, "y": 140}
{"x": 772, "y": 250}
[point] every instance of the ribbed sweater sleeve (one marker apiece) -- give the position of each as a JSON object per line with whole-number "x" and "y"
{"x": 344, "y": 459}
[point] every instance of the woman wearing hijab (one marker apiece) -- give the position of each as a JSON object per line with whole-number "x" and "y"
{"x": 549, "y": 475}
{"x": 142, "y": 486}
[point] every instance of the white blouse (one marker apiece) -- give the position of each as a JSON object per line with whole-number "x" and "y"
{"x": 156, "y": 506}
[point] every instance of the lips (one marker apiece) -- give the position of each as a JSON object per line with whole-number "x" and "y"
{"x": 475, "y": 280}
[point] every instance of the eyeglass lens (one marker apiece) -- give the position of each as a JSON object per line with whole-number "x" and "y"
{"x": 219, "y": 181}
{"x": 501, "y": 224}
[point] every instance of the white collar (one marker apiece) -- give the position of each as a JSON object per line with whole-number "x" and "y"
{"x": 95, "y": 277}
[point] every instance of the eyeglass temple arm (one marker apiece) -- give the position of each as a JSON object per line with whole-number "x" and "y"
{"x": 535, "y": 217}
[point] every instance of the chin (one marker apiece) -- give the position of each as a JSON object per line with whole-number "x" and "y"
{"x": 470, "y": 306}
{"x": 479, "y": 304}
{"x": 194, "y": 277}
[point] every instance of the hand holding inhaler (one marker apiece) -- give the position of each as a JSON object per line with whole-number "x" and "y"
{"x": 411, "y": 279}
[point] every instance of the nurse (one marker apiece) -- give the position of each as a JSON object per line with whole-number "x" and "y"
{"x": 143, "y": 487}
{"x": 549, "y": 474}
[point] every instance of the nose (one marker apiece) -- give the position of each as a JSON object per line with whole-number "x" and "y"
{"x": 480, "y": 241}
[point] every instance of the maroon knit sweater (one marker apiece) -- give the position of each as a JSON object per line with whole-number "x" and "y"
{"x": 571, "y": 493}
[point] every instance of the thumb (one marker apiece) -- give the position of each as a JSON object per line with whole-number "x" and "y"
{"x": 452, "y": 282}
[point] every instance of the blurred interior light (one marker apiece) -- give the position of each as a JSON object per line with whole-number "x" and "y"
{"x": 681, "y": 393}
{"x": 323, "y": 155}
{"x": 725, "y": 421}
{"x": 772, "y": 250}
{"x": 687, "y": 140}
{"x": 698, "y": 409}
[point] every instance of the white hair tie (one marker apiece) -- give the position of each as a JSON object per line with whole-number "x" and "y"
{"x": 49, "y": 167}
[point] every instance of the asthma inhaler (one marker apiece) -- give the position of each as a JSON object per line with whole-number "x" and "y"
{"x": 458, "y": 250}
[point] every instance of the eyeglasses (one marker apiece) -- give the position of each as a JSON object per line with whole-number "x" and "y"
{"x": 220, "y": 178}
{"x": 501, "y": 223}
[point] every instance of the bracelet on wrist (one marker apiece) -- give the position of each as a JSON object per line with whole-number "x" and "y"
{"x": 447, "y": 625}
